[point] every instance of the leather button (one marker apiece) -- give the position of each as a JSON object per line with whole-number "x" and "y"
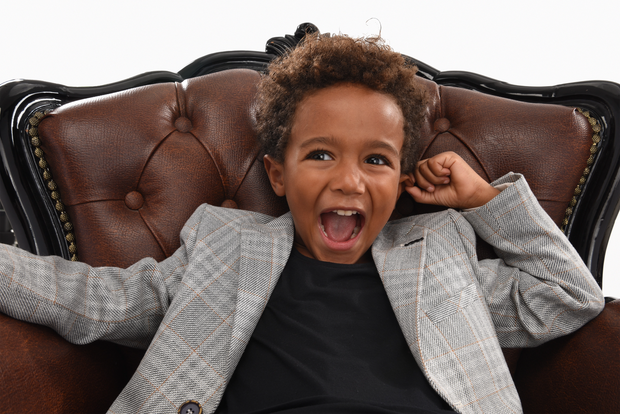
{"x": 190, "y": 407}
{"x": 134, "y": 200}
{"x": 441, "y": 125}
{"x": 183, "y": 124}
{"x": 229, "y": 204}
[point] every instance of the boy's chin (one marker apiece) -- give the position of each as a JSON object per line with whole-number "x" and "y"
{"x": 325, "y": 249}
{"x": 351, "y": 256}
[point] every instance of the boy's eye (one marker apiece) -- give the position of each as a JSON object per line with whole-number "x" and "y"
{"x": 320, "y": 156}
{"x": 377, "y": 160}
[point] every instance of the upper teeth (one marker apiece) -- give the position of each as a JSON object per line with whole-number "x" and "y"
{"x": 345, "y": 212}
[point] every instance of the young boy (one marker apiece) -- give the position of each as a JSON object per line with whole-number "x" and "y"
{"x": 330, "y": 308}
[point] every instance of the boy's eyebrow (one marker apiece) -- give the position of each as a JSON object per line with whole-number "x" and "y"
{"x": 333, "y": 141}
{"x": 386, "y": 146}
{"x": 318, "y": 140}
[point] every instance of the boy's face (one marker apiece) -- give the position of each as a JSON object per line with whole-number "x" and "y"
{"x": 341, "y": 172}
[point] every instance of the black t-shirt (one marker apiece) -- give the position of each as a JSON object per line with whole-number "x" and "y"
{"x": 329, "y": 342}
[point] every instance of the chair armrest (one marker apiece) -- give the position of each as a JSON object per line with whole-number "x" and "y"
{"x": 577, "y": 373}
{"x": 39, "y": 367}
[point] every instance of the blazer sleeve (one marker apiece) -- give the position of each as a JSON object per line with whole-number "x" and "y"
{"x": 84, "y": 304}
{"x": 538, "y": 288}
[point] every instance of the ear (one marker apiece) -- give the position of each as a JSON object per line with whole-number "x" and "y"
{"x": 275, "y": 172}
{"x": 405, "y": 181}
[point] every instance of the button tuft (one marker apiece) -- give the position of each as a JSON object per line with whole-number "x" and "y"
{"x": 229, "y": 204}
{"x": 442, "y": 125}
{"x": 134, "y": 200}
{"x": 183, "y": 124}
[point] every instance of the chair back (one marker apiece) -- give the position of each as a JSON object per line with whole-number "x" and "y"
{"x": 125, "y": 170}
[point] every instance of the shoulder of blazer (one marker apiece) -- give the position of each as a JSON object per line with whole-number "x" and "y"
{"x": 210, "y": 220}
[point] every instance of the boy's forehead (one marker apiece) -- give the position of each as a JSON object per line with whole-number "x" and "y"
{"x": 344, "y": 91}
{"x": 347, "y": 106}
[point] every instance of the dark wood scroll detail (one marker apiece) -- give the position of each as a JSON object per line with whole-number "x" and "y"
{"x": 281, "y": 45}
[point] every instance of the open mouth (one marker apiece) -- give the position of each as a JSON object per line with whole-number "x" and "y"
{"x": 341, "y": 225}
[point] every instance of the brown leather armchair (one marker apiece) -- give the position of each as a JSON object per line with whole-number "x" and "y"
{"x": 109, "y": 175}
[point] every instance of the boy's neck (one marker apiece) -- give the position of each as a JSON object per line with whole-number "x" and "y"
{"x": 301, "y": 248}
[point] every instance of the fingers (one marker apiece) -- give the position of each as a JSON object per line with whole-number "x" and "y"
{"x": 419, "y": 195}
{"x": 432, "y": 172}
{"x": 446, "y": 179}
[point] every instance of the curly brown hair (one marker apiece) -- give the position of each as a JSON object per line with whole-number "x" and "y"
{"x": 323, "y": 60}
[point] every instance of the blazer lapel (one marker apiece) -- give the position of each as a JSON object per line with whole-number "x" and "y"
{"x": 265, "y": 249}
{"x": 399, "y": 253}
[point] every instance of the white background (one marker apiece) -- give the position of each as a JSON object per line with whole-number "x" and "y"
{"x": 526, "y": 42}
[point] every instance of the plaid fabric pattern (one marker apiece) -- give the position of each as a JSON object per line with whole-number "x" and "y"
{"x": 456, "y": 312}
{"x": 196, "y": 310}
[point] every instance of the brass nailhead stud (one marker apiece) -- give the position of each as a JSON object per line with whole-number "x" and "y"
{"x": 51, "y": 184}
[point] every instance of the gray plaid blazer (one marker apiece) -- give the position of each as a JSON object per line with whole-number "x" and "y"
{"x": 196, "y": 310}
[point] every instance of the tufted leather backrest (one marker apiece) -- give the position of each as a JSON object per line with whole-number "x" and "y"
{"x": 549, "y": 144}
{"x": 132, "y": 166}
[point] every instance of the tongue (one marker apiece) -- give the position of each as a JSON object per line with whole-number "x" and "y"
{"x": 338, "y": 228}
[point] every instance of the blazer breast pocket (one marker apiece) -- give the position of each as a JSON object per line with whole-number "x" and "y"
{"x": 453, "y": 304}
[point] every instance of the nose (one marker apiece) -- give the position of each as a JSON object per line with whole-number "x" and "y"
{"x": 348, "y": 179}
